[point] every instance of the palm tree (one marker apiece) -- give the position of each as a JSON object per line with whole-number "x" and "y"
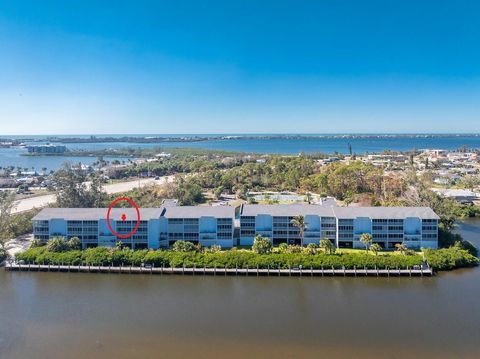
{"x": 327, "y": 245}
{"x": 402, "y": 248}
{"x": 366, "y": 239}
{"x": 299, "y": 222}
{"x": 375, "y": 248}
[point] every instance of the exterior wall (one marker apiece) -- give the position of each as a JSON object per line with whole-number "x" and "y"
{"x": 281, "y": 230}
{"x": 225, "y": 229}
{"x": 41, "y": 230}
{"x": 412, "y": 235}
{"x": 58, "y": 227}
{"x": 247, "y": 230}
{"x": 313, "y": 229}
{"x": 343, "y": 232}
{"x": 163, "y": 230}
{"x": 105, "y": 237}
{"x": 154, "y": 233}
{"x": 429, "y": 233}
{"x": 208, "y": 230}
{"x": 264, "y": 225}
{"x": 361, "y": 225}
{"x": 329, "y": 229}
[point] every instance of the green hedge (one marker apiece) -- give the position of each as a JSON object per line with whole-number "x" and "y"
{"x": 229, "y": 259}
{"x": 450, "y": 258}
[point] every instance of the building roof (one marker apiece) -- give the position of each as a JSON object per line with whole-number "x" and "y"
{"x": 385, "y": 212}
{"x": 340, "y": 212}
{"x": 457, "y": 193}
{"x": 94, "y": 214}
{"x": 285, "y": 210}
{"x": 199, "y": 211}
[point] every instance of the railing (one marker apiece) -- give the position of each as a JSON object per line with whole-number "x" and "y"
{"x": 421, "y": 271}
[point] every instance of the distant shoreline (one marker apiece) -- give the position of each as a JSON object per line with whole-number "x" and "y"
{"x": 225, "y": 137}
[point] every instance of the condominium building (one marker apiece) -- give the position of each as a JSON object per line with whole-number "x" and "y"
{"x": 199, "y": 224}
{"x": 414, "y": 226}
{"x": 46, "y": 148}
{"x": 158, "y": 227}
{"x": 275, "y": 222}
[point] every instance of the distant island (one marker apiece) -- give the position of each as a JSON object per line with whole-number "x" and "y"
{"x": 202, "y": 138}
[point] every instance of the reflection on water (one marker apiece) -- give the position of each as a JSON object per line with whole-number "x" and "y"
{"x": 55, "y": 315}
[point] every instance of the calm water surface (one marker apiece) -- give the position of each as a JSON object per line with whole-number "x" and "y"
{"x": 12, "y": 156}
{"x": 54, "y": 315}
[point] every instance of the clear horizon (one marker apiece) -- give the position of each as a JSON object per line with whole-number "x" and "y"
{"x": 343, "y": 67}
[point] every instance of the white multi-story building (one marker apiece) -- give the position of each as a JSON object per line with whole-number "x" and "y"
{"x": 414, "y": 226}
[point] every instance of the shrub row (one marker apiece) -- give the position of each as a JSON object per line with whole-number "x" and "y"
{"x": 449, "y": 258}
{"x": 229, "y": 259}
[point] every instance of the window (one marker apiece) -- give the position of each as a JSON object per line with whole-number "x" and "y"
{"x": 247, "y": 233}
{"x": 395, "y": 236}
{"x": 175, "y": 221}
{"x": 395, "y": 228}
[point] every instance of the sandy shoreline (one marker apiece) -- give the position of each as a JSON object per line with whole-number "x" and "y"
{"x": 18, "y": 244}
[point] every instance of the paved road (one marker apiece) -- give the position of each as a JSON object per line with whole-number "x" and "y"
{"x": 41, "y": 201}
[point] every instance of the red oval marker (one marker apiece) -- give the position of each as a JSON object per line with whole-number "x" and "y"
{"x": 124, "y": 217}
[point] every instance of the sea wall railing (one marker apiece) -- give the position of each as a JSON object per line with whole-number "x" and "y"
{"x": 419, "y": 271}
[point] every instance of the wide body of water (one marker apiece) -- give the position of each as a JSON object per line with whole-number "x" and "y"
{"x": 60, "y": 315}
{"x": 312, "y": 144}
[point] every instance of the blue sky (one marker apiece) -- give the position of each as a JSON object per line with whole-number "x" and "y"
{"x": 331, "y": 66}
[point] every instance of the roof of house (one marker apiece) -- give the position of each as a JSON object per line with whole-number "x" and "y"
{"x": 465, "y": 193}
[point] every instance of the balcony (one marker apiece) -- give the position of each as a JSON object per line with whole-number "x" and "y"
{"x": 413, "y": 233}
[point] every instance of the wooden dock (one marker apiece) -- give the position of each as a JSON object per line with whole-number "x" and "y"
{"x": 300, "y": 272}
